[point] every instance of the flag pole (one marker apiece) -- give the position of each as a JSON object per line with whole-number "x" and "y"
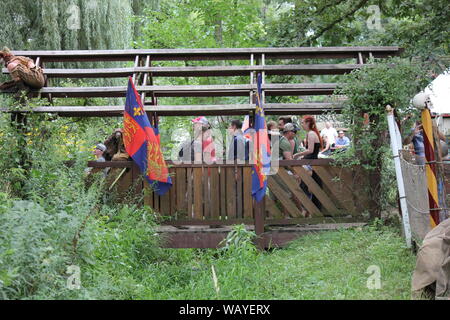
{"x": 430, "y": 166}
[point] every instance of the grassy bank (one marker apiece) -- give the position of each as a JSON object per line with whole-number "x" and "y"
{"x": 329, "y": 265}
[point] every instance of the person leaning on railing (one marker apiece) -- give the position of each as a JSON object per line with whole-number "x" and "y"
{"x": 23, "y": 71}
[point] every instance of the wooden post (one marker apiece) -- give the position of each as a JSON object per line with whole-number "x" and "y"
{"x": 259, "y": 211}
{"x": 137, "y": 181}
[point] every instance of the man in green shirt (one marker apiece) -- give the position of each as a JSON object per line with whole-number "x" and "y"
{"x": 286, "y": 148}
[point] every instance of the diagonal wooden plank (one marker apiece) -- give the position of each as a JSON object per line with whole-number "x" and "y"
{"x": 281, "y": 195}
{"x": 314, "y": 188}
{"x": 271, "y": 209}
{"x": 294, "y": 187}
{"x": 340, "y": 193}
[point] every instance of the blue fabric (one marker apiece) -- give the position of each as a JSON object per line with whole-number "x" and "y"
{"x": 262, "y": 165}
{"x": 141, "y": 133}
{"x": 418, "y": 143}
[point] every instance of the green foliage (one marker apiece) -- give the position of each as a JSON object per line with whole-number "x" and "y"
{"x": 202, "y": 24}
{"x": 238, "y": 241}
{"x": 328, "y": 265}
{"x": 368, "y": 91}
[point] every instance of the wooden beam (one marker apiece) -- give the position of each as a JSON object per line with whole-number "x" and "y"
{"x": 270, "y": 89}
{"x": 211, "y": 53}
{"x": 202, "y": 71}
{"x": 283, "y": 163}
{"x": 185, "y": 110}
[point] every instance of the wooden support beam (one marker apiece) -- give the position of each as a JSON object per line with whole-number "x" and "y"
{"x": 202, "y": 71}
{"x": 210, "y": 53}
{"x": 270, "y": 89}
{"x": 185, "y": 110}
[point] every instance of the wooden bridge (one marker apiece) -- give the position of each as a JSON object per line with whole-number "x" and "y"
{"x": 205, "y": 199}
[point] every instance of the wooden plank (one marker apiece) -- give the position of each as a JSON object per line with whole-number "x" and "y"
{"x": 283, "y": 163}
{"x": 190, "y": 179}
{"x": 210, "y": 53}
{"x": 188, "y": 90}
{"x": 172, "y": 191}
{"x": 206, "y": 194}
{"x": 328, "y": 178}
{"x": 201, "y": 71}
{"x": 315, "y": 189}
{"x": 223, "y": 192}
{"x": 272, "y": 210}
{"x": 274, "y": 222}
{"x": 231, "y": 192}
{"x": 148, "y": 194}
{"x": 294, "y": 187}
{"x": 247, "y": 192}
{"x": 239, "y": 193}
{"x": 156, "y": 202}
{"x": 180, "y": 110}
{"x": 164, "y": 205}
{"x": 181, "y": 201}
{"x": 345, "y": 183}
{"x": 215, "y": 192}
{"x": 281, "y": 195}
{"x": 198, "y": 192}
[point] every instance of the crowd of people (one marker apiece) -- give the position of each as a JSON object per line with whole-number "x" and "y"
{"x": 315, "y": 144}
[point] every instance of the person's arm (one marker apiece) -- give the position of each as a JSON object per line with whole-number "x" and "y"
{"x": 441, "y": 136}
{"x": 30, "y": 63}
{"x": 198, "y": 151}
{"x": 287, "y": 155}
{"x": 347, "y": 142}
{"x": 327, "y": 147}
{"x": 409, "y": 138}
{"x": 10, "y": 68}
{"x": 310, "y": 146}
{"x": 285, "y": 149}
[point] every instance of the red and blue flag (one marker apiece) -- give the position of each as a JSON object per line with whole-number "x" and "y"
{"x": 261, "y": 149}
{"x": 141, "y": 142}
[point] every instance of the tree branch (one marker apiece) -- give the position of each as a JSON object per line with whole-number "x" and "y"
{"x": 336, "y": 21}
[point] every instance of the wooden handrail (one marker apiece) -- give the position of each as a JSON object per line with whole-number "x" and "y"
{"x": 282, "y": 163}
{"x": 187, "y": 110}
{"x": 212, "y": 53}
{"x": 201, "y": 71}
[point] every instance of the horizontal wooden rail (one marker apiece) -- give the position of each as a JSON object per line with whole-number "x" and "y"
{"x": 189, "y": 90}
{"x": 129, "y": 164}
{"x": 212, "y": 53}
{"x": 188, "y": 110}
{"x": 202, "y": 71}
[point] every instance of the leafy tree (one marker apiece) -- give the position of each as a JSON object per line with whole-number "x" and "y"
{"x": 369, "y": 90}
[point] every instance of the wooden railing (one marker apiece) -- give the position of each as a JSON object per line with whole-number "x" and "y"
{"x": 145, "y": 72}
{"x": 220, "y": 194}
